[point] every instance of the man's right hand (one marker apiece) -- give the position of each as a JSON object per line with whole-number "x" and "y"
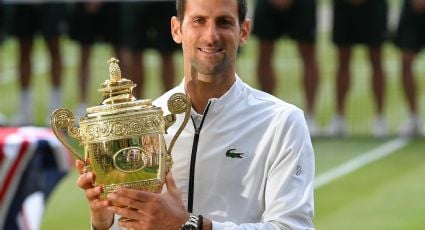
{"x": 101, "y": 217}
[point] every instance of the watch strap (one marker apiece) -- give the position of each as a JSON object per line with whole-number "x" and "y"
{"x": 192, "y": 223}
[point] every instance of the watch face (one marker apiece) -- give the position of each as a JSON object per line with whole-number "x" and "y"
{"x": 191, "y": 224}
{"x": 189, "y": 227}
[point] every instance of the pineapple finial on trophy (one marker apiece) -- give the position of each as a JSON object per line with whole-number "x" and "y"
{"x": 114, "y": 70}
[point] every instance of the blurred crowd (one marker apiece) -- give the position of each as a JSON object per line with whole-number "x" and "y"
{"x": 128, "y": 27}
{"x": 131, "y": 27}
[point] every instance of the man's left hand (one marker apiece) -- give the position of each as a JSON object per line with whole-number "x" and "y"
{"x": 148, "y": 210}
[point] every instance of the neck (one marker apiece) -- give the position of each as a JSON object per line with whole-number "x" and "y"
{"x": 202, "y": 88}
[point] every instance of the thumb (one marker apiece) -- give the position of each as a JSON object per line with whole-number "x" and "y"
{"x": 79, "y": 166}
{"x": 171, "y": 184}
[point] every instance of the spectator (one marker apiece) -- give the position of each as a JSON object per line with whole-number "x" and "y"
{"x": 27, "y": 20}
{"x": 296, "y": 19}
{"x": 359, "y": 22}
{"x": 92, "y": 22}
{"x": 410, "y": 38}
{"x": 146, "y": 25}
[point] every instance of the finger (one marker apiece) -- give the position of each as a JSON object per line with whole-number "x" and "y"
{"x": 86, "y": 180}
{"x": 82, "y": 166}
{"x": 135, "y": 194}
{"x": 171, "y": 184}
{"x": 131, "y": 224}
{"x": 126, "y": 212}
{"x": 79, "y": 165}
{"x": 93, "y": 193}
{"x": 99, "y": 204}
{"x": 121, "y": 200}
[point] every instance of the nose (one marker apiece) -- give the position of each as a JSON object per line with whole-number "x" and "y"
{"x": 211, "y": 33}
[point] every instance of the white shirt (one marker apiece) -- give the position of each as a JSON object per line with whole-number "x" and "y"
{"x": 268, "y": 183}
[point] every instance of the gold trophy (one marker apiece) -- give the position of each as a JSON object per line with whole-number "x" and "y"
{"x": 122, "y": 137}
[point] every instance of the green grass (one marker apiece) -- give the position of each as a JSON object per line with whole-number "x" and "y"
{"x": 67, "y": 207}
{"x": 383, "y": 195}
{"x": 331, "y": 152}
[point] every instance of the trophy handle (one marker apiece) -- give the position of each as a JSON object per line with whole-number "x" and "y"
{"x": 62, "y": 121}
{"x": 178, "y": 103}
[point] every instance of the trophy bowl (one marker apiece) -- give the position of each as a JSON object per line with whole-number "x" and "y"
{"x": 122, "y": 138}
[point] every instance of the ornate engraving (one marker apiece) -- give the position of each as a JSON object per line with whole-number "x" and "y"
{"x": 142, "y": 104}
{"x": 62, "y": 118}
{"x": 120, "y": 127}
{"x": 154, "y": 185}
{"x": 178, "y": 103}
{"x": 62, "y": 121}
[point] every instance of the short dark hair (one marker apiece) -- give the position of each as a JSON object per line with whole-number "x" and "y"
{"x": 242, "y": 9}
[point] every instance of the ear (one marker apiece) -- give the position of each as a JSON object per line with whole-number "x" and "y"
{"x": 245, "y": 29}
{"x": 176, "y": 30}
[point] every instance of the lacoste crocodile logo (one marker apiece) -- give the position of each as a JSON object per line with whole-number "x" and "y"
{"x": 230, "y": 153}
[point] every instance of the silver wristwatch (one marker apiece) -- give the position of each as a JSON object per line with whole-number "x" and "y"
{"x": 192, "y": 223}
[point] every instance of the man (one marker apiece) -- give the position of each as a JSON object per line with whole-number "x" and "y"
{"x": 26, "y": 21}
{"x": 141, "y": 33}
{"x": 410, "y": 38}
{"x": 359, "y": 22}
{"x": 296, "y": 19}
{"x": 91, "y": 22}
{"x": 268, "y": 185}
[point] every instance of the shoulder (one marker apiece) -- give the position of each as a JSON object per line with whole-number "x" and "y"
{"x": 285, "y": 116}
{"x": 269, "y": 103}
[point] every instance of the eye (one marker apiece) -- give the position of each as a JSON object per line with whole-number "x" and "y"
{"x": 225, "y": 22}
{"x": 198, "y": 20}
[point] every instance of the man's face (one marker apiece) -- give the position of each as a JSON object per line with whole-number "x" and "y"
{"x": 210, "y": 35}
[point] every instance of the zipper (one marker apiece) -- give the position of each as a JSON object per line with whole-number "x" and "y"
{"x": 193, "y": 158}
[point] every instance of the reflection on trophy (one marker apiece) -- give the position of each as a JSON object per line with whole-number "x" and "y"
{"x": 122, "y": 138}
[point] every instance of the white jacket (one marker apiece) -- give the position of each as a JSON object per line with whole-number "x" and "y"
{"x": 254, "y": 164}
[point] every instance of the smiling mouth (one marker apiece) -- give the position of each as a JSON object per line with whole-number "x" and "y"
{"x": 210, "y": 50}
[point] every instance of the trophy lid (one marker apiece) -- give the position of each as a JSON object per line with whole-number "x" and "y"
{"x": 117, "y": 94}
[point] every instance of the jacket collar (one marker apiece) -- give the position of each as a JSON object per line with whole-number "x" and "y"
{"x": 219, "y": 104}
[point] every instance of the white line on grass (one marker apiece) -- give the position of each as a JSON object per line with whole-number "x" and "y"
{"x": 360, "y": 161}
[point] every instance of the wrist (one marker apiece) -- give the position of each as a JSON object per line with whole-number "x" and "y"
{"x": 100, "y": 224}
{"x": 206, "y": 224}
{"x": 194, "y": 222}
